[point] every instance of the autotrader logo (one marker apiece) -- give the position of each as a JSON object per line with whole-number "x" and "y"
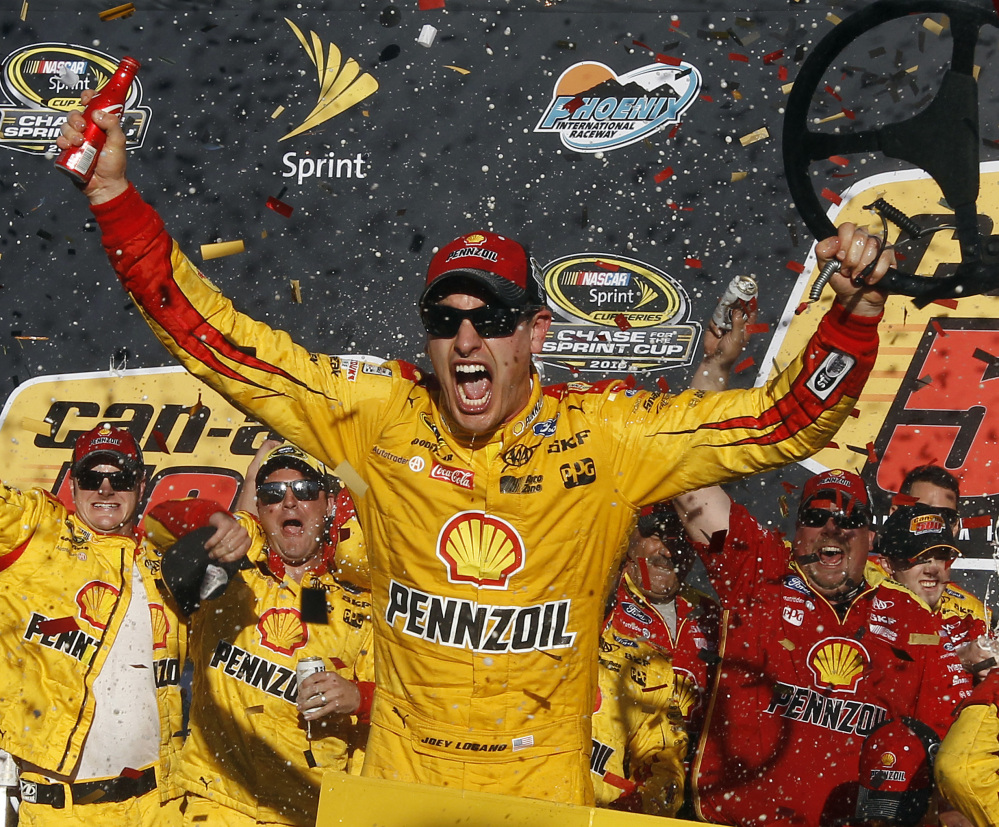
{"x": 42, "y": 82}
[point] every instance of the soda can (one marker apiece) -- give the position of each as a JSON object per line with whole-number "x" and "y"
{"x": 309, "y": 666}
{"x": 742, "y": 289}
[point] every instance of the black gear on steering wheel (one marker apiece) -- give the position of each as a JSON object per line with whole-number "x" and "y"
{"x": 943, "y": 139}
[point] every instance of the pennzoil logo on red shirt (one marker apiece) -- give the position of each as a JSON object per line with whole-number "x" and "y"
{"x": 480, "y": 549}
{"x": 462, "y": 477}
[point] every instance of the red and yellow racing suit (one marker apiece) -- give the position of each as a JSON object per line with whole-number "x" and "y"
{"x": 248, "y": 748}
{"x": 648, "y": 682}
{"x": 490, "y": 555}
{"x": 64, "y": 591}
{"x": 799, "y": 687}
{"x": 967, "y": 763}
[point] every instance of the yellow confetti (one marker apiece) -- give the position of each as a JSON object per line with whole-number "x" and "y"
{"x": 277, "y": 112}
{"x": 118, "y": 12}
{"x": 255, "y": 710}
{"x": 24, "y": 11}
{"x": 836, "y": 117}
{"x": 737, "y": 94}
{"x": 760, "y": 134}
{"x": 90, "y": 798}
{"x": 37, "y": 426}
{"x": 345, "y": 471}
{"x": 296, "y": 291}
{"x": 222, "y": 248}
{"x": 787, "y": 87}
{"x": 458, "y": 69}
{"x": 787, "y": 644}
{"x": 975, "y": 71}
{"x": 32, "y": 338}
{"x": 832, "y": 18}
{"x": 739, "y": 176}
{"x": 933, "y": 26}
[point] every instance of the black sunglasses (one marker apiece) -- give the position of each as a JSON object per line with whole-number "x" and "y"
{"x": 490, "y": 321}
{"x": 269, "y": 493}
{"x": 818, "y": 517}
{"x": 944, "y": 555}
{"x": 91, "y": 480}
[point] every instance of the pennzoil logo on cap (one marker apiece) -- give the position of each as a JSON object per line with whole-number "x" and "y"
{"x": 480, "y": 549}
{"x": 926, "y": 524}
{"x": 42, "y": 82}
{"x": 593, "y": 109}
{"x": 616, "y": 315}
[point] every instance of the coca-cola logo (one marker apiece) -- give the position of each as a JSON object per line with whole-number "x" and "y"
{"x": 461, "y": 477}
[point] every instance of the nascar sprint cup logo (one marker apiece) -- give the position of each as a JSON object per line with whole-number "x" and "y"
{"x": 595, "y": 110}
{"x": 43, "y": 82}
{"x": 616, "y": 315}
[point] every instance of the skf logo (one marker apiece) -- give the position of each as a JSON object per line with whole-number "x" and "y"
{"x": 96, "y": 601}
{"x": 838, "y": 663}
{"x": 480, "y": 549}
{"x": 341, "y": 85}
{"x": 282, "y": 631}
{"x": 595, "y": 110}
{"x": 926, "y": 524}
{"x": 43, "y": 82}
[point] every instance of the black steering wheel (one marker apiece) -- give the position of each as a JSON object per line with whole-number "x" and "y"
{"x": 943, "y": 139}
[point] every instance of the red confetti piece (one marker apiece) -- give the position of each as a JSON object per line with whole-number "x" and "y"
{"x": 673, "y": 131}
{"x": 707, "y": 98}
{"x": 834, "y": 445}
{"x": 782, "y": 73}
{"x": 983, "y": 521}
{"x": 833, "y": 92}
{"x": 662, "y": 384}
{"x": 621, "y": 783}
{"x": 622, "y": 322}
{"x": 669, "y": 60}
{"x": 773, "y": 57}
{"x": 801, "y": 308}
{"x": 128, "y": 772}
{"x": 693, "y": 262}
{"x": 752, "y": 329}
{"x": 603, "y": 265}
{"x": 745, "y": 364}
{"x": 160, "y": 441}
{"x": 643, "y": 569}
{"x": 338, "y": 664}
{"x": 829, "y": 195}
{"x": 574, "y": 104}
{"x": 903, "y": 499}
{"x": 871, "y": 453}
{"x": 948, "y": 303}
{"x": 344, "y": 534}
{"x": 736, "y": 56}
{"x": 280, "y": 207}
{"x": 640, "y": 45}
{"x": 662, "y": 175}
{"x": 936, "y": 326}
{"x": 674, "y": 24}
{"x": 798, "y": 267}
{"x": 789, "y": 486}
{"x": 839, "y": 160}
{"x": 58, "y": 625}
{"x": 849, "y": 114}
{"x": 855, "y": 413}
{"x": 427, "y": 5}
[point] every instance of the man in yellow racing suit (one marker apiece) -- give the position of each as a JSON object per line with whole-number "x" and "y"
{"x": 494, "y": 510}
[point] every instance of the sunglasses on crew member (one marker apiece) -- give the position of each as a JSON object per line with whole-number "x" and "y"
{"x": 818, "y": 517}
{"x": 490, "y": 321}
{"x": 91, "y": 480}
{"x": 271, "y": 493}
{"x": 944, "y": 555}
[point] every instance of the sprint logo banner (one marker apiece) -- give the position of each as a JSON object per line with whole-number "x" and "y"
{"x": 595, "y": 110}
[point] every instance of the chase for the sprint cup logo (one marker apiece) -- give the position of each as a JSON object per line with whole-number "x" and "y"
{"x": 42, "y": 83}
{"x": 616, "y": 315}
{"x": 595, "y": 110}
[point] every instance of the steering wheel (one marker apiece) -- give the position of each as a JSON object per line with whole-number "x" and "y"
{"x": 943, "y": 139}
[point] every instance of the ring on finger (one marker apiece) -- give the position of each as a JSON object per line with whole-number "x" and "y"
{"x": 322, "y": 697}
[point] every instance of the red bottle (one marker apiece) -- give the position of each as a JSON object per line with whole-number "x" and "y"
{"x": 79, "y": 162}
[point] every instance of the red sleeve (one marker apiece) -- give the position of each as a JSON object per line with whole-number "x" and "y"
{"x": 987, "y": 692}
{"x": 367, "y": 690}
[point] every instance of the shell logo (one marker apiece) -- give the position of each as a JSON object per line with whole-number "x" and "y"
{"x": 838, "y": 663}
{"x": 475, "y": 238}
{"x": 686, "y": 691}
{"x": 888, "y": 759}
{"x": 480, "y": 549}
{"x": 282, "y": 630}
{"x": 161, "y": 625}
{"x": 96, "y": 601}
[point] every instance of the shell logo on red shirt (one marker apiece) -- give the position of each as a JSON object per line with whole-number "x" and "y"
{"x": 96, "y": 601}
{"x": 282, "y": 630}
{"x": 480, "y": 549}
{"x": 838, "y": 663}
{"x": 160, "y": 626}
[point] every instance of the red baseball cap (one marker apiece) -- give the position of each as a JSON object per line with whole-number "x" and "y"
{"x": 896, "y": 771}
{"x": 840, "y": 487}
{"x": 496, "y": 262}
{"x": 109, "y": 444}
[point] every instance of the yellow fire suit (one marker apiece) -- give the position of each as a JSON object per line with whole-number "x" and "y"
{"x": 64, "y": 591}
{"x": 491, "y": 556}
{"x": 248, "y": 748}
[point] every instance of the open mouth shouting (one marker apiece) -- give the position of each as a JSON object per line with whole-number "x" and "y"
{"x": 474, "y": 388}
